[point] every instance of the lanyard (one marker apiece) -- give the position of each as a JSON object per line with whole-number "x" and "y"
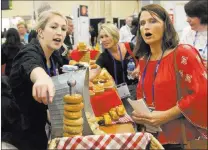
{"x": 194, "y": 43}
{"x": 53, "y": 67}
{"x": 155, "y": 74}
{"x": 114, "y": 65}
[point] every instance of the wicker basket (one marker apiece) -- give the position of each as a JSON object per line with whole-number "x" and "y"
{"x": 155, "y": 144}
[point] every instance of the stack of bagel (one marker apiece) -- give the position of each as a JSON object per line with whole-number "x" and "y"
{"x": 73, "y": 121}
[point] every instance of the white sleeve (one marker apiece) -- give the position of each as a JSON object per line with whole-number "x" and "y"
{"x": 121, "y": 35}
{"x": 183, "y": 39}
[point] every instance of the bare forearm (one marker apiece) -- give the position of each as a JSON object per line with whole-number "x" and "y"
{"x": 172, "y": 113}
{"x": 38, "y": 73}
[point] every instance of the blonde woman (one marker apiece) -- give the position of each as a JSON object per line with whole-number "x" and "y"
{"x": 115, "y": 57}
{"x": 30, "y": 79}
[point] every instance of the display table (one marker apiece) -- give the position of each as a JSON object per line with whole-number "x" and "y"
{"x": 118, "y": 128}
{"x": 111, "y": 141}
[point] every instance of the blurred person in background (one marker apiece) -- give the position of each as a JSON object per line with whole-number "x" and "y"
{"x": 93, "y": 36}
{"x": 10, "y": 49}
{"x": 196, "y": 33}
{"x": 22, "y": 29}
{"x": 125, "y": 31}
{"x": 32, "y": 34}
{"x": 69, "y": 40}
{"x": 30, "y": 79}
{"x": 134, "y": 30}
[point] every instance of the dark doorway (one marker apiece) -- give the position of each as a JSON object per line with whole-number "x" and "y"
{"x": 115, "y": 21}
{"x": 94, "y": 22}
{"x": 122, "y": 22}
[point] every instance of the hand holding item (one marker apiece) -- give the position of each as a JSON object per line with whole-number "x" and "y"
{"x": 135, "y": 73}
{"x": 43, "y": 90}
{"x": 155, "y": 118}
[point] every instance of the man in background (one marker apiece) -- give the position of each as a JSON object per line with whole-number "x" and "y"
{"x": 125, "y": 31}
{"x": 69, "y": 40}
{"x": 22, "y": 29}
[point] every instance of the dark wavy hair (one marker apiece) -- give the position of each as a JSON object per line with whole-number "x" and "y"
{"x": 197, "y": 8}
{"x": 170, "y": 37}
{"x": 12, "y": 38}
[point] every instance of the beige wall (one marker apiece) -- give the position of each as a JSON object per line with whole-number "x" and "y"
{"x": 97, "y": 9}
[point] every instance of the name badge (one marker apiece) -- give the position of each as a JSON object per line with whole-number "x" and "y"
{"x": 123, "y": 90}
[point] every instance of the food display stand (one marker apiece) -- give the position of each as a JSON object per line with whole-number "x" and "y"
{"x": 119, "y": 134}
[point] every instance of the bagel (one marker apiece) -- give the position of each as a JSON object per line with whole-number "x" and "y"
{"x": 73, "y": 99}
{"x": 73, "y": 107}
{"x": 73, "y": 122}
{"x": 65, "y": 134}
{"x": 72, "y": 115}
{"x": 73, "y": 129}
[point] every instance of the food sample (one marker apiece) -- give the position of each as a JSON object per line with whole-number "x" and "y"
{"x": 113, "y": 114}
{"x": 120, "y": 110}
{"x": 98, "y": 88}
{"x": 73, "y": 62}
{"x": 73, "y": 99}
{"x": 92, "y": 62}
{"x": 107, "y": 119}
{"x": 82, "y": 46}
{"x": 108, "y": 84}
{"x": 72, "y": 115}
{"x": 73, "y": 122}
{"x": 94, "y": 66}
{"x": 73, "y": 107}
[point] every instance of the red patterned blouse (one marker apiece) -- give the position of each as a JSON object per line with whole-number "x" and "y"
{"x": 193, "y": 106}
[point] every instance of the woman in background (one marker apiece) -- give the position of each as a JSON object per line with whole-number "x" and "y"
{"x": 10, "y": 49}
{"x": 156, "y": 46}
{"x": 115, "y": 59}
{"x": 196, "y": 33}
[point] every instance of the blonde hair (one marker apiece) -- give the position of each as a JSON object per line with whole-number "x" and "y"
{"x": 21, "y": 23}
{"x": 111, "y": 30}
{"x": 45, "y": 16}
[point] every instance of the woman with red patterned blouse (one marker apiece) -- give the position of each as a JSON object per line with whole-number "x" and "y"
{"x": 157, "y": 43}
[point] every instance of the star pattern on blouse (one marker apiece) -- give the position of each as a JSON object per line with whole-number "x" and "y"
{"x": 181, "y": 72}
{"x": 205, "y": 74}
{"x": 184, "y": 60}
{"x": 188, "y": 78}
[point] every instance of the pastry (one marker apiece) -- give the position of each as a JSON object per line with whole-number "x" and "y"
{"x": 73, "y": 122}
{"x": 92, "y": 62}
{"x": 73, "y": 107}
{"x": 73, "y": 99}
{"x": 107, "y": 119}
{"x": 113, "y": 114}
{"x": 72, "y": 62}
{"x": 94, "y": 66}
{"x": 108, "y": 84}
{"x": 73, "y": 129}
{"x": 72, "y": 115}
{"x": 120, "y": 110}
{"x": 98, "y": 88}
